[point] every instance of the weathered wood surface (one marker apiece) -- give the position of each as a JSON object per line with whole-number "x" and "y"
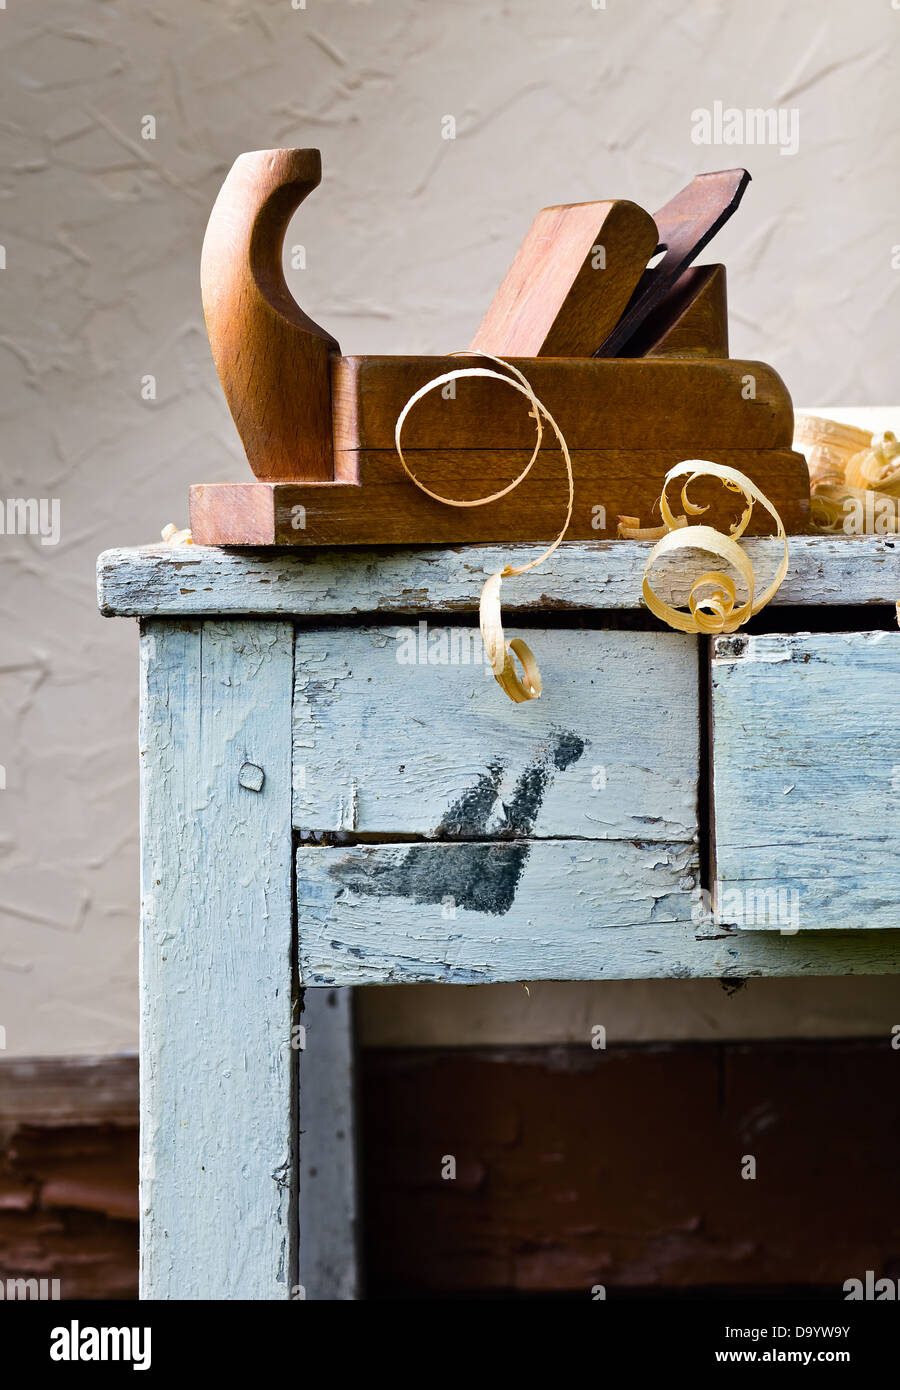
{"x": 385, "y": 746}
{"x": 69, "y": 1165}
{"x": 379, "y": 505}
{"x": 475, "y": 912}
{"x": 328, "y": 1197}
{"x": 540, "y": 910}
{"x": 63, "y": 1091}
{"x": 806, "y": 733}
{"x": 218, "y": 1158}
{"x": 162, "y": 580}
{"x": 630, "y": 403}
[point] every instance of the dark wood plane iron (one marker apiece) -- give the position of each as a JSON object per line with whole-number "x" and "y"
{"x": 631, "y": 361}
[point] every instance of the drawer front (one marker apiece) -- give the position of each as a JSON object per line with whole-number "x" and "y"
{"x": 405, "y": 731}
{"x": 481, "y": 840}
{"x": 806, "y": 777}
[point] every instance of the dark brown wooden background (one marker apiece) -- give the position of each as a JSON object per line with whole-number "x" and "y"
{"x": 574, "y": 1168}
{"x": 623, "y": 1168}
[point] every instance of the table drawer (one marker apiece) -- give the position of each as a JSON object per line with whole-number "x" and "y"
{"x": 806, "y": 779}
{"x": 481, "y": 840}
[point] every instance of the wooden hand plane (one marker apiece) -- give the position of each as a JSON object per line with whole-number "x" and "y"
{"x": 631, "y": 360}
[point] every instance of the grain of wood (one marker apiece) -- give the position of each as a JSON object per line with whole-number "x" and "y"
{"x": 692, "y": 320}
{"x": 51, "y": 1091}
{"x": 806, "y": 731}
{"x": 272, "y": 360}
{"x": 384, "y": 507}
{"x": 569, "y": 281}
{"x": 400, "y": 731}
{"x": 627, "y": 403}
{"x": 218, "y": 1141}
{"x": 156, "y": 580}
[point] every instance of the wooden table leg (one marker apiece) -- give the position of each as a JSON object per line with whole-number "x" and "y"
{"x": 219, "y": 1077}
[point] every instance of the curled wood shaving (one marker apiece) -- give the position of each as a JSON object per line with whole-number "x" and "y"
{"x": 172, "y": 536}
{"x": 833, "y": 505}
{"x": 878, "y": 467}
{"x": 854, "y": 477}
{"x": 711, "y": 602}
{"x": 828, "y": 445}
{"x": 630, "y": 529}
{"x": 501, "y": 653}
{"x": 712, "y": 597}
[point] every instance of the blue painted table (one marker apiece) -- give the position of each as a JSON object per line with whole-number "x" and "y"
{"x": 335, "y": 792}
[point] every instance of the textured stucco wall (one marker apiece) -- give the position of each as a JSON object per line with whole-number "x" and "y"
{"x": 406, "y": 240}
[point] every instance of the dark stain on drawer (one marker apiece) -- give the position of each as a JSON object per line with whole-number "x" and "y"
{"x": 481, "y": 877}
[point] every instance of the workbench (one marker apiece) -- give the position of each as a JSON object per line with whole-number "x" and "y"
{"x": 335, "y": 792}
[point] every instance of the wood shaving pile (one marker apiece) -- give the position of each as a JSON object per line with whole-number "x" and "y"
{"x": 854, "y": 477}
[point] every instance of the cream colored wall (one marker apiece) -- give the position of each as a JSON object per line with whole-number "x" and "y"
{"x": 405, "y": 241}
